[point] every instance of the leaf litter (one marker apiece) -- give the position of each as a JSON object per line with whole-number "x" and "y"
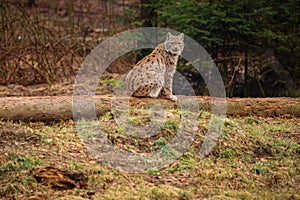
{"x": 254, "y": 157}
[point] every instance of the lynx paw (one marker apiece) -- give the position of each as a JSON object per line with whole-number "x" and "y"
{"x": 172, "y": 98}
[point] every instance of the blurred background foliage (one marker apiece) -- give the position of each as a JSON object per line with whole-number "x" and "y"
{"x": 255, "y": 44}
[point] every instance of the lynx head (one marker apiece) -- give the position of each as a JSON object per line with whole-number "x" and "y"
{"x": 174, "y": 44}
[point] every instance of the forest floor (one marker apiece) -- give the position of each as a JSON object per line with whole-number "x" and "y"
{"x": 254, "y": 158}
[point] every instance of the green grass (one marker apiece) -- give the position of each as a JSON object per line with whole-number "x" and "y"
{"x": 254, "y": 158}
{"x": 20, "y": 163}
{"x": 171, "y": 125}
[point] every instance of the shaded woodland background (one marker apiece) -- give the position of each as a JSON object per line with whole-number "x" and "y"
{"x": 254, "y": 43}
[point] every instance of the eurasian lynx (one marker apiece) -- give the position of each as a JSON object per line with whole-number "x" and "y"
{"x": 153, "y": 75}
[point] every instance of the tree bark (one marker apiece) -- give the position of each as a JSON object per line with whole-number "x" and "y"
{"x": 56, "y": 108}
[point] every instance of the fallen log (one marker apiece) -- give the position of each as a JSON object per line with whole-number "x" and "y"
{"x": 55, "y": 108}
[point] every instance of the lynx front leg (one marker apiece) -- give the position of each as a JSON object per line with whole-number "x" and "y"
{"x": 168, "y": 85}
{"x": 155, "y": 90}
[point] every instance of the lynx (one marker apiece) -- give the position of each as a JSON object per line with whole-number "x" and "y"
{"x": 153, "y": 75}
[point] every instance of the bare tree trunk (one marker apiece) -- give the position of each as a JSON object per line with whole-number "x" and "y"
{"x": 246, "y": 89}
{"x": 60, "y": 108}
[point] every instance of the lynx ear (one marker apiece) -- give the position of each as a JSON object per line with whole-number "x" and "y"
{"x": 169, "y": 35}
{"x": 181, "y": 36}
